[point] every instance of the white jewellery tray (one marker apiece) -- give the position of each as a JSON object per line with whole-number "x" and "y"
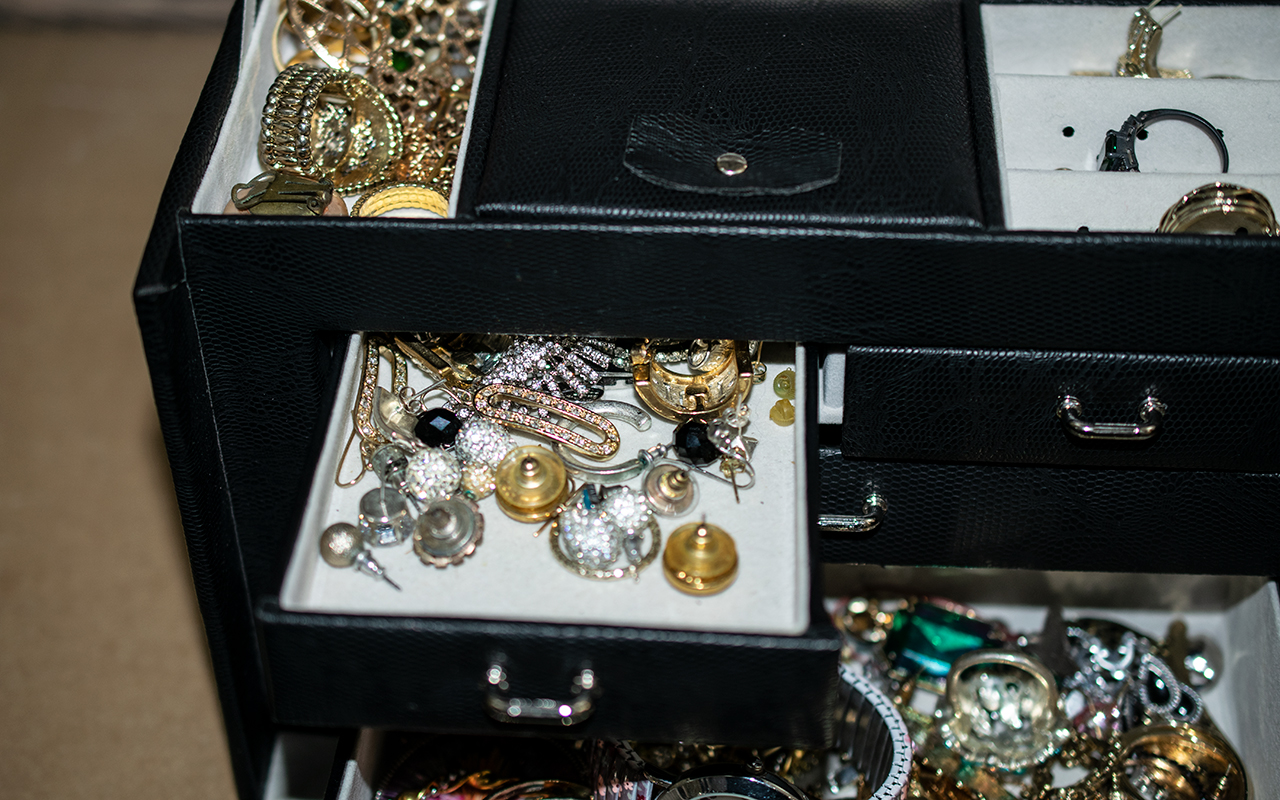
{"x": 1240, "y": 614}
{"x": 235, "y": 156}
{"x": 1050, "y": 125}
{"x": 513, "y": 575}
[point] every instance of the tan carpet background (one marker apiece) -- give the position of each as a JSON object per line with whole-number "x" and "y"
{"x": 105, "y": 687}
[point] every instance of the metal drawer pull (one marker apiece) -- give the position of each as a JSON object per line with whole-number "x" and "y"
{"x": 539, "y": 710}
{"x": 1151, "y": 414}
{"x": 873, "y": 510}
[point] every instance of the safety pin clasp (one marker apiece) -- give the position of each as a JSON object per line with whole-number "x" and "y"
{"x": 517, "y": 407}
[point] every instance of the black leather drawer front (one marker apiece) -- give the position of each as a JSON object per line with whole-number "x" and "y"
{"x": 1055, "y": 518}
{"x": 334, "y": 670}
{"x": 934, "y": 404}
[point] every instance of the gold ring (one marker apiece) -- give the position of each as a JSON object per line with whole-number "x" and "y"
{"x": 1220, "y": 208}
{"x": 381, "y": 199}
{"x": 322, "y": 123}
{"x": 1178, "y": 759}
{"x": 1024, "y": 693}
{"x": 674, "y": 396}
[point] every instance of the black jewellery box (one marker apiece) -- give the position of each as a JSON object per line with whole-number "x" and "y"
{"x": 919, "y": 209}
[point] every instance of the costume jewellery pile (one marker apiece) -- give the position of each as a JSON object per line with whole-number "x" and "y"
{"x": 441, "y": 448}
{"x": 371, "y": 101}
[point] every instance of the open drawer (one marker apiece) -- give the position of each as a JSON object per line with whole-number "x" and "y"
{"x": 1241, "y": 615}
{"x": 623, "y": 658}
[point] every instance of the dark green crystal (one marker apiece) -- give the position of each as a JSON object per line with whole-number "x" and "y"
{"x": 399, "y": 27}
{"x": 401, "y": 60}
{"x": 927, "y": 639}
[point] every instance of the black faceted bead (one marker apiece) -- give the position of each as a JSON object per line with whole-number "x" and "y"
{"x": 693, "y": 443}
{"x": 438, "y": 428}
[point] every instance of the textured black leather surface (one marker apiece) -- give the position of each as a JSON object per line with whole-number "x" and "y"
{"x": 424, "y": 674}
{"x": 173, "y": 350}
{"x": 885, "y": 79}
{"x": 1200, "y": 294}
{"x": 1055, "y": 518}
{"x": 928, "y": 404}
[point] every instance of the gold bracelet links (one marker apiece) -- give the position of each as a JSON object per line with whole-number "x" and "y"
{"x": 323, "y": 123}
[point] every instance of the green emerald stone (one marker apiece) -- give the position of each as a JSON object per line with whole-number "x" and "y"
{"x": 401, "y": 60}
{"x": 926, "y": 640}
{"x": 399, "y": 27}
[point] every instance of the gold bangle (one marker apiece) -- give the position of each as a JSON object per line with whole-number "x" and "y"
{"x": 1220, "y": 208}
{"x": 673, "y": 396}
{"x": 391, "y": 197}
{"x": 322, "y": 123}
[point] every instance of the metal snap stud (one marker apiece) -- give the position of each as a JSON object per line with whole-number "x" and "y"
{"x": 731, "y": 163}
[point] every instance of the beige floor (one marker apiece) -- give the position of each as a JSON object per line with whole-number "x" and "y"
{"x": 105, "y": 687}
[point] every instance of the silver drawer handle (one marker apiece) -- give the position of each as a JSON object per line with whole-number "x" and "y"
{"x": 1151, "y": 413}
{"x": 873, "y": 511}
{"x": 540, "y": 710}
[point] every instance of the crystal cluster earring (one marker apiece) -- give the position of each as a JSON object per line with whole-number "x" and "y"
{"x": 481, "y": 446}
{"x": 432, "y": 474}
{"x": 606, "y": 533}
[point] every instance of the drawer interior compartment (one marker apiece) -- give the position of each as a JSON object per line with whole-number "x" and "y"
{"x": 268, "y": 45}
{"x": 509, "y": 626}
{"x": 1210, "y": 39}
{"x": 1051, "y": 518}
{"x": 1055, "y": 100}
{"x": 1239, "y": 616}
{"x": 1012, "y": 406}
{"x": 514, "y": 576}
